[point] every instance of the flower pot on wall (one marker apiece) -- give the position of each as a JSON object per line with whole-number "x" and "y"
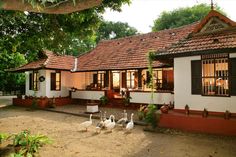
{"x": 164, "y": 109}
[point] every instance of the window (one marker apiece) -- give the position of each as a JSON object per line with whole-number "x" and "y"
{"x": 132, "y": 79}
{"x": 33, "y": 81}
{"x": 157, "y": 78}
{"x": 163, "y": 79}
{"x": 100, "y": 79}
{"x": 56, "y": 81}
{"x": 215, "y": 75}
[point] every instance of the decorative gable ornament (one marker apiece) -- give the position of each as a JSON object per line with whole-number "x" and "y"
{"x": 214, "y": 24}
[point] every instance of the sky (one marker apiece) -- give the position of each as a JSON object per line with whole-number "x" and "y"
{"x": 141, "y": 13}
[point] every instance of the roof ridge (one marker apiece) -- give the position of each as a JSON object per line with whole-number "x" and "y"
{"x": 149, "y": 33}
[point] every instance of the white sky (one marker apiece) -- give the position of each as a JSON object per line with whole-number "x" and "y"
{"x": 141, "y": 13}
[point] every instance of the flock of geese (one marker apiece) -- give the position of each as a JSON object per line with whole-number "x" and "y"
{"x": 109, "y": 123}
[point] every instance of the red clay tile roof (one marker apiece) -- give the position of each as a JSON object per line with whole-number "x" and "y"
{"x": 224, "y": 39}
{"x": 131, "y": 52}
{"x": 200, "y": 42}
{"x": 50, "y": 61}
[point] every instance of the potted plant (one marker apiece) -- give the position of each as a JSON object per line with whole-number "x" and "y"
{"x": 164, "y": 109}
{"x": 186, "y": 109}
{"x": 227, "y": 114}
{"x": 127, "y": 100}
{"x": 205, "y": 113}
{"x": 103, "y": 100}
{"x": 141, "y": 112}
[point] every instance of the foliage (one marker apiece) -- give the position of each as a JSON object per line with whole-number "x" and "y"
{"x": 181, "y": 16}
{"x": 127, "y": 100}
{"x": 104, "y": 100}
{"x": 150, "y": 117}
{"x": 11, "y": 81}
{"x": 4, "y": 137}
{"x": 142, "y": 112}
{"x": 151, "y": 57}
{"x": 23, "y": 35}
{"x": 113, "y": 30}
{"x": 29, "y": 144}
{"x": 48, "y": 3}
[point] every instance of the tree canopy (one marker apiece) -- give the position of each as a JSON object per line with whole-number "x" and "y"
{"x": 25, "y": 34}
{"x": 114, "y": 30}
{"x": 49, "y": 6}
{"x": 181, "y": 16}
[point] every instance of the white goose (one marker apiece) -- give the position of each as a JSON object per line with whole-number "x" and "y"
{"x": 112, "y": 124}
{"x": 101, "y": 124}
{"x": 87, "y": 124}
{"x": 124, "y": 119}
{"x": 107, "y": 121}
{"x": 130, "y": 125}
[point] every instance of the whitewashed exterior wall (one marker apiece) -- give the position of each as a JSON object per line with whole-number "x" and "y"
{"x": 45, "y": 86}
{"x": 145, "y": 97}
{"x": 88, "y": 95}
{"x": 182, "y": 90}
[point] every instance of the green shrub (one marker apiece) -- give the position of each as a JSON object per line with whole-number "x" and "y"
{"x": 4, "y": 137}
{"x": 104, "y": 100}
{"x": 150, "y": 117}
{"x": 27, "y": 144}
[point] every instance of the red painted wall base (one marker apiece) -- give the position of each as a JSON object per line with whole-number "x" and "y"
{"x": 196, "y": 123}
{"x": 41, "y": 102}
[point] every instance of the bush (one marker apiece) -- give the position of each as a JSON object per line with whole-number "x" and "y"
{"x": 104, "y": 100}
{"x": 27, "y": 145}
{"x": 150, "y": 116}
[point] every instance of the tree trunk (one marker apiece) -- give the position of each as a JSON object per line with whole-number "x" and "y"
{"x": 63, "y": 8}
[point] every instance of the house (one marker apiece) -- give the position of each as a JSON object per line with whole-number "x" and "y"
{"x": 194, "y": 65}
{"x": 113, "y": 66}
{"x": 204, "y": 76}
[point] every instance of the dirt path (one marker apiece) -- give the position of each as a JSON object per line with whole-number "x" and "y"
{"x": 70, "y": 141}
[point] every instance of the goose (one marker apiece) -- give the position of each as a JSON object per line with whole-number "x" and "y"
{"x": 130, "y": 125}
{"x": 107, "y": 121}
{"x": 87, "y": 124}
{"x": 124, "y": 119}
{"x": 112, "y": 124}
{"x": 100, "y": 125}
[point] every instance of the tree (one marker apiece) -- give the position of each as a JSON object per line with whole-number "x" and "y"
{"x": 65, "y": 34}
{"x": 24, "y": 34}
{"x": 114, "y": 30}
{"x": 11, "y": 81}
{"x": 181, "y": 16}
{"x": 49, "y": 6}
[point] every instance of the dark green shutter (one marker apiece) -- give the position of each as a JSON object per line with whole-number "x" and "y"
{"x": 106, "y": 79}
{"x": 53, "y": 81}
{"x": 30, "y": 81}
{"x": 196, "y": 73}
{"x": 233, "y": 76}
{"x": 95, "y": 79}
{"x": 139, "y": 77}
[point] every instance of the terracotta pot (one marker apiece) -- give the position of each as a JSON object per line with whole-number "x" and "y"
{"x": 164, "y": 109}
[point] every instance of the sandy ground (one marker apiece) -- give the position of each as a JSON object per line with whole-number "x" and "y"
{"x": 70, "y": 141}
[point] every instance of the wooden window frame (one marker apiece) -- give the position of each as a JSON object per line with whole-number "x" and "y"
{"x": 100, "y": 79}
{"x": 214, "y": 57}
{"x": 34, "y": 83}
{"x": 131, "y": 79}
{"x": 55, "y": 83}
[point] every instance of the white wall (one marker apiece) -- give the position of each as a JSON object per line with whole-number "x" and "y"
{"x": 91, "y": 95}
{"x": 42, "y": 85}
{"x": 145, "y": 97}
{"x": 182, "y": 90}
{"x": 67, "y": 81}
